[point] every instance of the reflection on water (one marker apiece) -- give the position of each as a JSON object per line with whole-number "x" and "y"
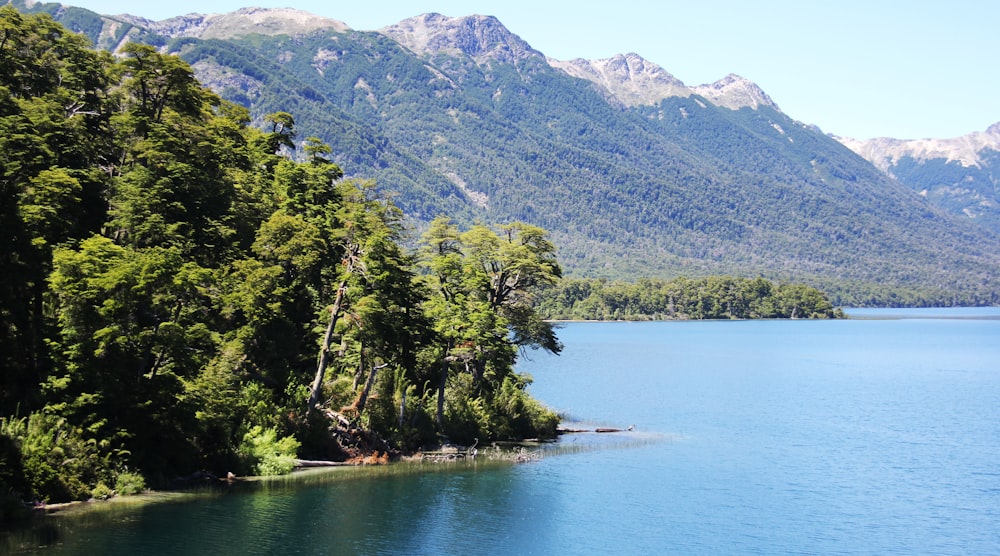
{"x": 343, "y": 510}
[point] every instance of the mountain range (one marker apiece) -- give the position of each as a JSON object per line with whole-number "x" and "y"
{"x": 634, "y": 173}
{"x": 960, "y": 174}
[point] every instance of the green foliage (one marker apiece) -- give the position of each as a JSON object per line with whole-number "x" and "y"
{"x": 715, "y": 297}
{"x": 263, "y": 453}
{"x": 53, "y": 458}
{"x": 53, "y": 112}
{"x": 12, "y": 475}
{"x": 483, "y": 286}
{"x": 174, "y": 272}
{"x": 101, "y": 491}
{"x": 466, "y": 416}
{"x": 128, "y": 483}
{"x": 515, "y": 414}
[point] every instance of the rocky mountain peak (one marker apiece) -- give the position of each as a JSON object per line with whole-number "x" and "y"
{"x": 735, "y": 92}
{"x": 634, "y": 81}
{"x": 627, "y": 78}
{"x": 245, "y": 21}
{"x": 477, "y": 36}
{"x": 885, "y": 152}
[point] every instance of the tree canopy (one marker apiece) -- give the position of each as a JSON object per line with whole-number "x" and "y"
{"x": 713, "y": 297}
{"x": 185, "y": 292}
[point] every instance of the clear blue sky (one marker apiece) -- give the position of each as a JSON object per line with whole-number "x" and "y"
{"x": 857, "y": 68}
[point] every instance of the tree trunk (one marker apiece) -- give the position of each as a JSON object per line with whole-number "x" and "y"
{"x": 363, "y": 398}
{"x": 439, "y": 418}
{"x": 361, "y": 369}
{"x": 324, "y": 352}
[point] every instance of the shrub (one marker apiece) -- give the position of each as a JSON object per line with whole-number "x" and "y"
{"x": 516, "y": 415}
{"x": 128, "y": 483}
{"x": 102, "y": 491}
{"x": 263, "y": 453}
{"x": 58, "y": 464}
{"x": 466, "y": 417}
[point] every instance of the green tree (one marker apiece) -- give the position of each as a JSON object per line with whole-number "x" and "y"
{"x": 282, "y": 131}
{"x": 375, "y": 290}
{"x": 53, "y": 112}
{"x": 132, "y": 328}
{"x": 483, "y": 286}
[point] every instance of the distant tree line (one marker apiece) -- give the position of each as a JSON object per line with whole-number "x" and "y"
{"x": 714, "y": 297}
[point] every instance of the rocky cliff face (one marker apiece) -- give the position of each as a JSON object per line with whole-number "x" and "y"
{"x": 483, "y": 38}
{"x": 735, "y": 92}
{"x": 634, "y": 81}
{"x": 245, "y": 21}
{"x": 885, "y": 152}
{"x": 627, "y": 78}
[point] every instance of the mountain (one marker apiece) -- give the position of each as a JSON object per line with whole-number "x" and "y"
{"x": 634, "y": 81}
{"x": 626, "y": 78}
{"x": 482, "y": 38}
{"x": 961, "y": 174}
{"x": 633, "y": 172}
{"x": 243, "y": 22}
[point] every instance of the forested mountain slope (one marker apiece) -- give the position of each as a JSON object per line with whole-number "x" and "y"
{"x": 459, "y": 115}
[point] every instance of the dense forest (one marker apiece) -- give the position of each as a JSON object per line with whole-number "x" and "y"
{"x": 183, "y": 291}
{"x": 714, "y": 297}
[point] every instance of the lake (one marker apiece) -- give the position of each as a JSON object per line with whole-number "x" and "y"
{"x": 876, "y": 435}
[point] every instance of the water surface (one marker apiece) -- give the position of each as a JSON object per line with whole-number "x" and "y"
{"x": 868, "y": 436}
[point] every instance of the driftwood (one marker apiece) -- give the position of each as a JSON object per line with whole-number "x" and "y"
{"x": 450, "y": 452}
{"x": 304, "y": 463}
{"x": 436, "y": 456}
{"x": 599, "y": 429}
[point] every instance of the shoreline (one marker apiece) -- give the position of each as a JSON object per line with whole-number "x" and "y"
{"x": 314, "y": 471}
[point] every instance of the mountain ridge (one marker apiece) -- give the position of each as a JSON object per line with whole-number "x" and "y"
{"x": 242, "y": 22}
{"x": 470, "y": 120}
{"x": 959, "y": 174}
{"x": 885, "y": 152}
{"x": 481, "y": 37}
{"x": 628, "y": 78}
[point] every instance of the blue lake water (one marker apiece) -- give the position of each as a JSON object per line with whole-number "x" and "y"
{"x": 870, "y": 435}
